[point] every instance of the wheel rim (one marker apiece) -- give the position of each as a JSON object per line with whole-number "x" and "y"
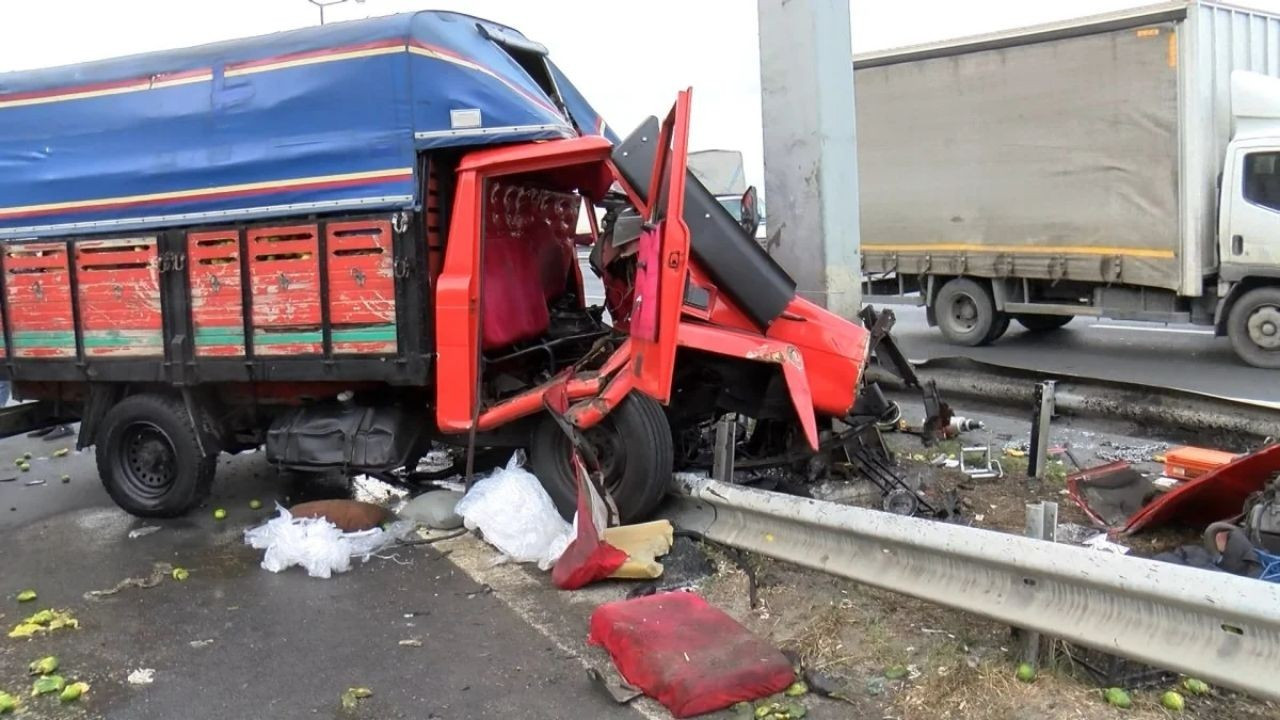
{"x": 964, "y": 313}
{"x": 1264, "y": 327}
{"x": 146, "y": 461}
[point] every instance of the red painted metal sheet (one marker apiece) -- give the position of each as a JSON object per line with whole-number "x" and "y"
{"x": 284, "y": 269}
{"x": 217, "y": 303}
{"x": 38, "y": 294}
{"x": 362, "y": 287}
{"x": 655, "y": 357}
{"x": 118, "y": 287}
{"x": 1217, "y": 495}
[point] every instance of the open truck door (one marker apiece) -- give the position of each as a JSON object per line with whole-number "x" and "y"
{"x": 663, "y": 260}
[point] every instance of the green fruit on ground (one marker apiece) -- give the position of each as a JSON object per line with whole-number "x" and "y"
{"x": 44, "y": 666}
{"x": 1117, "y": 697}
{"x": 73, "y": 691}
{"x": 255, "y": 504}
{"x": 1026, "y": 673}
{"x": 27, "y": 595}
{"x": 48, "y": 684}
{"x": 181, "y": 574}
{"x": 219, "y": 514}
{"x": 1172, "y": 701}
{"x": 8, "y": 703}
{"x": 797, "y": 689}
{"x": 1195, "y": 687}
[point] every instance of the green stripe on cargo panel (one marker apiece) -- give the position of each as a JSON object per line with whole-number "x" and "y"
{"x": 289, "y": 342}
{"x": 220, "y": 341}
{"x": 123, "y": 342}
{"x": 44, "y": 344}
{"x": 365, "y": 340}
{"x": 220, "y": 335}
{"x": 370, "y": 333}
{"x": 43, "y": 338}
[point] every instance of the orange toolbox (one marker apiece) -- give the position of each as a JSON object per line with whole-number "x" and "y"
{"x": 1188, "y": 463}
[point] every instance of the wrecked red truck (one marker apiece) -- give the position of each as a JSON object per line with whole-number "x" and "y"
{"x": 351, "y": 242}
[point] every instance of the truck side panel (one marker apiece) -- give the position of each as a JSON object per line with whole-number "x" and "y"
{"x": 118, "y": 286}
{"x": 38, "y": 295}
{"x": 362, "y": 303}
{"x": 217, "y": 305}
{"x": 1054, "y": 160}
{"x": 284, "y": 274}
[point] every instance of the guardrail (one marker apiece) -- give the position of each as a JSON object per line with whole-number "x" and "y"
{"x": 1079, "y": 395}
{"x": 1215, "y": 626}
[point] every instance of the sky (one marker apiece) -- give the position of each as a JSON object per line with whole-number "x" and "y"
{"x": 629, "y": 62}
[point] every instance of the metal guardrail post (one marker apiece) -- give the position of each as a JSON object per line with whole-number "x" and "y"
{"x": 1042, "y": 524}
{"x": 1039, "y": 449}
{"x": 722, "y": 455}
{"x": 1221, "y": 628}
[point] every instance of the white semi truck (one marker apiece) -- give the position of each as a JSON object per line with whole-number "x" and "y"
{"x": 1123, "y": 166}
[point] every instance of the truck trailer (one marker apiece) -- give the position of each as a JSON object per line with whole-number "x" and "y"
{"x": 1123, "y": 166}
{"x": 350, "y": 244}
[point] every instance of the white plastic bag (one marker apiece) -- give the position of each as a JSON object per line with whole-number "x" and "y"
{"x": 316, "y": 544}
{"x": 516, "y": 515}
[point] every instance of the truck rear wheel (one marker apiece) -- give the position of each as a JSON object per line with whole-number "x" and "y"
{"x": 965, "y": 312}
{"x": 998, "y": 328}
{"x": 635, "y": 450}
{"x": 1043, "y": 323}
{"x": 1254, "y": 327}
{"x": 149, "y": 457}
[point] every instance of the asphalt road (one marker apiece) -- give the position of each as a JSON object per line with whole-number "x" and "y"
{"x": 267, "y": 645}
{"x": 1180, "y": 356}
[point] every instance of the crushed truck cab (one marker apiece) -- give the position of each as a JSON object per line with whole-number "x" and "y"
{"x": 367, "y": 246}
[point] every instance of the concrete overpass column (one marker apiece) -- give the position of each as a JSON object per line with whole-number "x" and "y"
{"x": 810, "y": 148}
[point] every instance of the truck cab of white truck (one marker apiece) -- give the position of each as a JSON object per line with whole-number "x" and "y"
{"x": 1122, "y": 166}
{"x": 1249, "y": 222}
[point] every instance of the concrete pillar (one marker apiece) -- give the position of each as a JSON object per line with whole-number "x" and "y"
{"x": 810, "y": 148}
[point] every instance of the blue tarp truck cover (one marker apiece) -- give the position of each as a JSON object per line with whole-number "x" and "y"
{"x": 314, "y": 120}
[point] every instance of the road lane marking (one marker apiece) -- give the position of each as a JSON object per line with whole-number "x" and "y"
{"x": 1182, "y": 331}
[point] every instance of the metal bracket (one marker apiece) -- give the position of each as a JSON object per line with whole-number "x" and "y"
{"x": 884, "y": 346}
{"x": 400, "y": 222}
{"x": 987, "y": 466}
{"x": 1004, "y": 265}
{"x": 1112, "y": 268}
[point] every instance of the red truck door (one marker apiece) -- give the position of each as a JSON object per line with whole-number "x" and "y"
{"x": 663, "y": 262}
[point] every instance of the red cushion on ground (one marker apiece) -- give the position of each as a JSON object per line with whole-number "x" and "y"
{"x": 688, "y": 655}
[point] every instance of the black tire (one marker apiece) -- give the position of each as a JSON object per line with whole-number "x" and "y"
{"x": 965, "y": 312}
{"x": 149, "y": 458}
{"x": 1043, "y": 323}
{"x": 1253, "y": 325}
{"x": 998, "y": 328}
{"x": 636, "y": 448}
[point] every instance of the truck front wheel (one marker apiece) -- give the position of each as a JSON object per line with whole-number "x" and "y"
{"x": 1254, "y": 327}
{"x": 149, "y": 457}
{"x": 634, "y": 446}
{"x": 966, "y": 312}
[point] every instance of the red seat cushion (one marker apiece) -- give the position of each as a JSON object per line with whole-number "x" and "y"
{"x": 512, "y": 293}
{"x": 688, "y": 655}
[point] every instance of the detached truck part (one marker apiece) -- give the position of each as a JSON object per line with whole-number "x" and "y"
{"x": 1123, "y": 166}
{"x": 350, "y": 242}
